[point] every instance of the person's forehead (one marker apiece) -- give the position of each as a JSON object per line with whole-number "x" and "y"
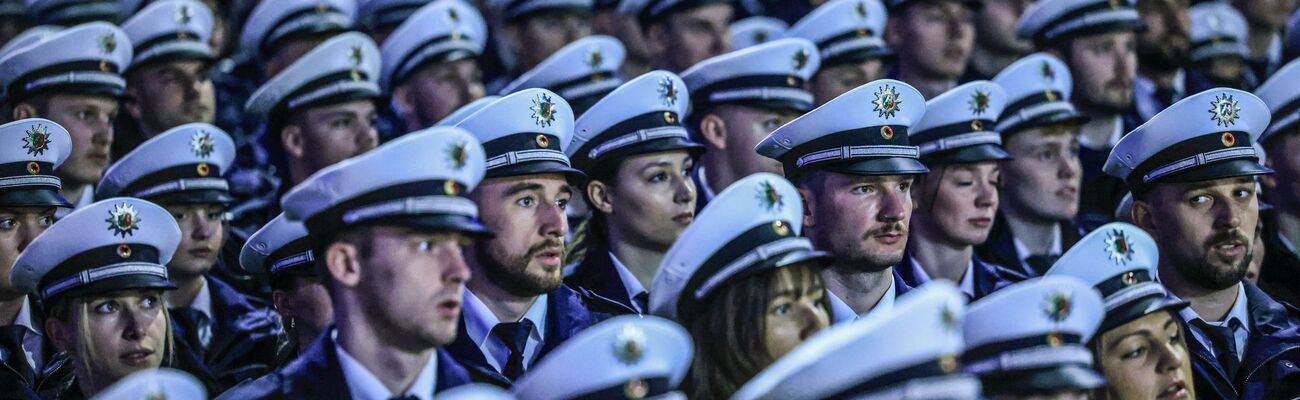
{"x": 709, "y": 12}
{"x": 1221, "y": 184}
{"x": 348, "y": 107}
{"x": 65, "y": 99}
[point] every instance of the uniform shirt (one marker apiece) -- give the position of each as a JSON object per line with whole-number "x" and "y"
{"x": 1240, "y": 312}
{"x": 33, "y": 341}
{"x": 1116, "y": 132}
{"x": 479, "y": 321}
{"x": 363, "y": 385}
{"x": 967, "y": 284}
{"x": 203, "y": 304}
{"x": 630, "y": 283}
{"x": 1023, "y": 252}
{"x": 841, "y": 312}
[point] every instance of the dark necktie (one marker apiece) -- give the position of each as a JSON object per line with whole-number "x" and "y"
{"x": 12, "y": 353}
{"x": 1225, "y": 345}
{"x": 642, "y": 301}
{"x": 515, "y": 336}
{"x": 190, "y": 325}
{"x": 1039, "y": 264}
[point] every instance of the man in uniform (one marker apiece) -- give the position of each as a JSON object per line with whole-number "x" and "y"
{"x": 996, "y": 43}
{"x": 682, "y": 33}
{"x": 532, "y": 30}
{"x": 430, "y": 64}
{"x": 388, "y": 247}
{"x": 740, "y": 97}
{"x": 938, "y": 37}
{"x": 378, "y": 18}
{"x": 848, "y": 37}
{"x": 1280, "y": 273}
{"x": 517, "y": 308}
{"x": 1192, "y": 170}
{"x": 853, "y": 164}
{"x": 1162, "y": 52}
{"x": 72, "y": 78}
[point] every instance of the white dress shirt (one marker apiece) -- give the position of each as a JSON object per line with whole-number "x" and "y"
{"x": 479, "y": 321}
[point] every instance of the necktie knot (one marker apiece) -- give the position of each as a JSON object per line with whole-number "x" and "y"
{"x": 515, "y": 337}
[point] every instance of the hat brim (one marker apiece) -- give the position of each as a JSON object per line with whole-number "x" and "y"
{"x": 771, "y": 104}
{"x": 33, "y": 197}
{"x": 1071, "y": 118}
{"x": 194, "y": 197}
{"x": 968, "y": 154}
{"x": 1138, "y": 309}
{"x": 118, "y": 283}
{"x": 435, "y": 223}
{"x": 608, "y": 162}
{"x": 1226, "y": 169}
{"x": 536, "y": 168}
{"x": 817, "y": 259}
{"x": 1043, "y": 380}
{"x": 878, "y": 166}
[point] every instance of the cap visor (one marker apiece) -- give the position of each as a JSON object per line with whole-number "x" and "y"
{"x": 124, "y": 282}
{"x": 194, "y": 197}
{"x": 879, "y": 166}
{"x": 1226, "y": 169}
{"x": 969, "y": 154}
{"x": 1044, "y": 380}
{"x": 1138, "y": 309}
{"x": 1059, "y": 118}
{"x": 612, "y": 159}
{"x": 33, "y": 197}
{"x": 537, "y": 168}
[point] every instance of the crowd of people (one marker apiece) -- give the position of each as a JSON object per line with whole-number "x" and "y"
{"x": 626, "y": 199}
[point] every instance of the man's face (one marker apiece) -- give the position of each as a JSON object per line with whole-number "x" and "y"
{"x": 746, "y": 126}
{"x": 1163, "y": 46}
{"x": 1266, "y": 14}
{"x": 542, "y": 34}
{"x": 202, "y": 232}
{"x": 833, "y": 81}
{"x": 996, "y": 27}
{"x": 1103, "y": 67}
{"x": 437, "y": 89}
{"x": 336, "y": 132}
{"x": 1041, "y": 180}
{"x": 18, "y": 226}
{"x": 862, "y": 220}
{"x": 689, "y": 36}
{"x": 89, "y": 120}
{"x": 526, "y": 213}
{"x": 1284, "y": 157}
{"x": 169, "y": 94}
{"x": 1205, "y": 229}
{"x": 938, "y": 37}
{"x": 414, "y": 281}
{"x": 956, "y": 203}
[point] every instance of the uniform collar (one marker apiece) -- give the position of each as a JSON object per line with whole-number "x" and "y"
{"x": 25, "y": 318}
{"x": 1023, "y": 252}
{"x": 363, "y": 385}
{"x": 705, "y": 190}
{"x": 1240, "y": 311}
{"x": 967, "y": 284}
{"x": 479, "y": 321}
{"x": 630, "y": 283}
{"x": 203, "y": 301}
{"x": 843, "y": 313}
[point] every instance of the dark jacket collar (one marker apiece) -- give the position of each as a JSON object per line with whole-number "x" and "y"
{"x": 1274, "y": 335}
{"x": 566, "y": 315}
{"x": 597, "y": 279}
{"x": 987, "y": 277}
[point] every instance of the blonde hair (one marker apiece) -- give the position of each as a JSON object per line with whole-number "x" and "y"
{"x": 83, "y": 353}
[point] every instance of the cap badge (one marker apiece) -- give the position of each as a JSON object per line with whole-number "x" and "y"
{"x": 322, "y": 6}
{"x": 202, "y": 169}
{"x": 887, "y": 132}
{"x": 354, "y": 54}
{"x": 156, "y": 396}
{"x": 769, "y": 198}
{"x": 542, "y": 141}
{"x": 636, "y": 389}
{"x": 37, "y": 140}
{"x": 543, "y": 110}
{"x": 107, "y": 43}
{"x": 886, "y": 102}
{"x": 1047, "y": 72}
{"x": 780, "y": 228}
{"x": 458, "y": 155}
{"x": 861, "y": 9}
{"x": 33, "y": 168}
{"x": 668, "y": 91}
{"x": 1057, "y": 306}
{"x": 124, "y": 250}
{"x": 452, "y": 16}
{"x": 948, "y": 317}
{"x": 1129, "y": 278}
{"x": 1118, "y": 247}
{"x": 1228, "y": 139}
{"x": 979, "y": 102}
{"x": 595, "y": 57}
{"x": 629, "y": 345}
{"x": 123, "y": 220}
{"x": 760, "y": 36}
{"x": 1213, "y": 21}
{"x": 1224, "y": 110}
{"x": 948, "y": 363}
{"x": 800, "y": 58}
{"x": 183, "y": 14}
{"x": 1116, "y": 3}
{"x": 202, "y": 144}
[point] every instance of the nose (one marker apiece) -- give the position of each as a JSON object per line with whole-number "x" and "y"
{"x": 894, "y": 205}
{"x": 552, "y": 220}
{"x": 1069, "y": 166}
{"x": 203, "y": 227}
{"x": 815, "y": 319}
{"x": 134, "y": 320}
{"x": 1228, "y": 215}
{"x": 455, "y": 269}
{"x": 685, "y": 189}
{"x": 27, "y": 232}
{"x": 1171, "y": 358}
{"x": 367, "y": 138}
{"x": 987, "y": 195}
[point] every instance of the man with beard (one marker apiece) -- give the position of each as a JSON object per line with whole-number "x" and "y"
{"x": 431, "y": 64}
{"x": 1161, "y": 52}
{"x": 167, "y": 83}
{"x": 388, "y": 247}
{"x": 848, "y": 37}
{"x": 853, "y": 165}
{"x": 996, "y": 43}
{"x": 1193, "y": 175}
{"x": 1096, "y": 39}
{"x": 938, "y": 36}
{"x": 737, "y": 99}
{"x": 683, "y": 33}
{"x": 517, "y": 308}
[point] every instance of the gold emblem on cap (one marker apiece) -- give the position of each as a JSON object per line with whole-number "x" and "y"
{"x": 1228, "y": 139}
{"x": 1051, "y": 96}
{"x": 670, "y": 117}
{"x": 781, "y": 228}
{"x": 1129, "y": 278}
{"x": 887, "y": 103}
{"x": 203, "y": 169}
{"x": 33, "y": 168}
{"x": 792, "y": 81}
{"x": 801, "y": 58}
{"x": 450, "y": 188}
{"x": 322, "y": 6}
{"x": 543, "y": 141}
{"x": 887, "y": 132}
{"x": 1224, "y": 110}
{"x": 124, "y": 250}
{"x": 1055, "y": 339}
{"x": 862, "y": 32}
{"x": 948, "y": 363}
{"x": 636, "y": 389}
{"x": 976, "y": 125}
{"x": 1116, "y": 3}
{"x": 629, "y": 345}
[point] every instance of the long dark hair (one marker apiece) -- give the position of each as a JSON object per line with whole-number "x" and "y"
{"x": 593, "y": 233}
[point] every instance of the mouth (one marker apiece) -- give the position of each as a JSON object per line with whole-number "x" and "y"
{"x": 200, "y": 253}
{"x": 550, "y": 256}
{"x": 890, "y": 237}
{"x": 1068, "y": 192}
{"x": 684, "y": 218}
{"x": 1178, "y": 390}
{"x": 136, "y": 357}
{"x": 448, "y": 309}
{"x": 1229, "y": 248}
{"x": 981, "y": 222}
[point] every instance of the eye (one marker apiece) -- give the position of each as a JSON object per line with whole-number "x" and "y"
{"x": 781, "y": 309}
{"x": 563, "y": 204}
{"x": 1176, "y": 339}
{"x": 1198, "y": 200}
{"x": 149, "y": 302}
{"x": 525, "y": 201}
{"x": 215, "y": 215}
{"x": 1242, "y": 193}
{"x": 341, "y": 123}
{"x": 424, "y": 246}
{"x": 1046, "y": 155}
{"x": 659, "y": 177}
{"x": 180, "y": 216}
{"x": 905, "y": 186}
{"x": 46, "y": 220}
{"x": 107, "y": 307}
{"x": 864, "y": 189}
{"x": 1134, "y": 354}
{"x": 8, "y": 223}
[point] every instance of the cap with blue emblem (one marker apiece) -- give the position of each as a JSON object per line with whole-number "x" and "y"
{"x": 845, "y": 31}
{"x": 907, "y": 352}
{"x": 751, "y": 227}
{"x": 420, "y": 180}
{"x": 626, "y": 357}
{"x": 114, "y": 244}
{"x": 160, "y": 383}
{"x": 382, "y": 15}
{"x": 171, "y": 30}
{"x": 280, "y": 248}
{"x": 344, "y": 68}
{"x": 642, "y": 116}
{"x": 650, "y": 12}
{"x": 582, "y": 72}
{"x": 1119, "y": 260}
{"x": 1050, "y": 21}
{"x": 1202, "y": 137}
{"x": 275, "y": 22}
{"x": 1218, "y": 30}
{"x": 1031, "y": 337}
{"x": 756, "y": 30}
{"x": 769, "y": 75}
{"x": 1283, "y": 100}
{"x": 466, "y": 110}
{"x": 513, "y": 10}
{"x": 1038, "y": 89}
{"x": 182, "y": 165}
{"x": 73, "y": 12}
{"x": 84, "y": 59}
{"x": 32, "y": 149}
{"x": 442, "y": 31}
{"x": 861, "y": 132}
{"x": 525, "y": 133}
{"x": 958, "y": 125}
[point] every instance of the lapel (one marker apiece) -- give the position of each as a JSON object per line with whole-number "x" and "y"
{"x": 316, "y": 374}
{"x": 464, "y": 352}
{"x": 1210, "y": 380}
{"x": 1000, "y": 247}
{"x": 450, "y": 373}
{"x": 566, "y": 315}
{"x": 1275, "y": 330}
{"x": 905, "y": 271}
{"x": 988, "y": 278}
{"x": 245, "y": 337}
{"x": 597, "y": 278}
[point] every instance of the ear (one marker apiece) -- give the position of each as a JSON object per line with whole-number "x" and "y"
{"x": 291, "y": 139}
{"x": 1142, "y": 215}
{"x": 59, "y": 333}
{"x": 714, "y": 131}
{"x": 343, "y": 260}
{"x": 809, "y": 218}
{"x": 282, "y": 304}
{"x": 24, "y": 111}
{"x": 599, "y": 196}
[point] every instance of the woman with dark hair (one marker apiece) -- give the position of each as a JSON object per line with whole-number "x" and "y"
{"x": 638, "y": 158}
{"x": 743, "y": 283}
{"x": 1141, "y": 346}
{"x": 102, "y": 281}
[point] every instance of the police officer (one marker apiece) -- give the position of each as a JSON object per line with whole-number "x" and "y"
{"x": 740, "y": 97}
{"x": 957, "y": 200}
{"x": 430, "y": 65}
{"x": 72, "y": 78}
{"x": 1162, "y": 53}
{"x": 582, "y": 72}
{"x": 1192, "y": 171}
{"x": 996, "y": 42}
{"x": 1218, "y": 53}
{"x": 37, "y": 147}
{"x": 1040, "y": 190}
{"x": 755, "y": 30}
{"x": 631, "y": 356}
{"x": 378, "y": 18}
{"x": 938, "y": 35}
{"x": 848, "y": 34}
{"x": 518, "y": 309}
{"x": 854, "y": 168}
{"x": 282, "y": 250}
{"x": 1280, "y": 272}
{"x": 682, "y": 33}
{"x": 532, "y": 30}
{"x": 167, "y": 82}
{"x": 388, "y": 247}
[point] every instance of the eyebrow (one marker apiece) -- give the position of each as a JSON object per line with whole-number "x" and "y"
{"x": 522, "y": 187}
